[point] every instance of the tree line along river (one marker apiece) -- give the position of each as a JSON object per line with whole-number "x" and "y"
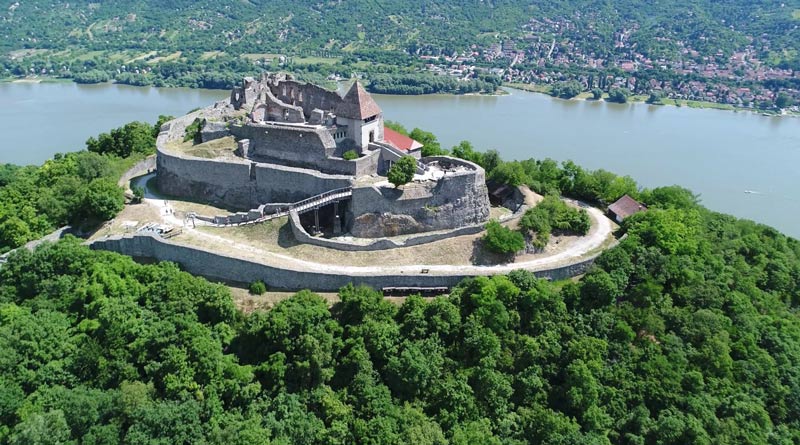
{"x": 740, "y": 163}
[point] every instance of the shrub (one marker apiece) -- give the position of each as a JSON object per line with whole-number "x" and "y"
{"x": 138, "y": 194}
{"x": 193, "y": 131}
{"x": 258, "y": 287}
{"x": 553, "y": 213}
{"x": 350, "y": 155}
{"x": 501, "y": 239}
{"x": 402, "y": 171}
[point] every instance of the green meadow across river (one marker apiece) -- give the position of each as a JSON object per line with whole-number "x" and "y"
{"x": 740, "y": 163}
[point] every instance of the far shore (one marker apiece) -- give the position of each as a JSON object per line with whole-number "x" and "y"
{"x": 642, "y": 99}
{"x": 540, "y": 89}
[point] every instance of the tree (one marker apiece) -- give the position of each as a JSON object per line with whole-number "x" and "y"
{"x": 101, "y": 200}
{"x": 655, "y": 98}
{"x": 619, "y": 95}
{"x": 91, "y": 165}
{"x": 398, "y": 127}
{"x": 350, "y": 155}
{"x": 14, "y": 232}
{"x": 511, "y": 173}
{"x": 162, "y": 119}
{"x": 501, "y": 239}
{"x": 430, "y": 145}
{"x": 42, "y": 429}
{"x": 402, "y": 172}
{"x": 133, "y": 137}
{"x": 783, "y": 101}
{"x": 597, "y": 93}
{"x": 566, "y": 90}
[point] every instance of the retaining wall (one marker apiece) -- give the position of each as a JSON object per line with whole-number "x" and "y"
{"x": 234, "y": 183}
{"x": 303, "y": 236}
{"x": 142, "y": 167}
{"x": 222, "y": 267}
{"x": 458, "y": 199}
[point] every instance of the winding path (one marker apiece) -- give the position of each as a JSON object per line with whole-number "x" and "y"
{"x": 576, "y": 252}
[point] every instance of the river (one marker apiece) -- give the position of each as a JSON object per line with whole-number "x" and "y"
{"x": 718, "y": 154}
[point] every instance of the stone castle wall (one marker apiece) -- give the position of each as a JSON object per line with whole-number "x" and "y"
{"x": 227, "y": 268}
{"x": 278, "y": 183}
{"x": 306, "y": 95}
{"x": 304, "y": 147}
{"x": 237, "y": 184}
{"x": 457, "y": 200}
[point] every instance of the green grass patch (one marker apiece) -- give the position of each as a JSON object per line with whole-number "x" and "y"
{"x": 211, "y": 55}
{"x": 259, "y": 56}
{"x": 529, "y": 87}
{"x": 166, "y": 58}
{"x": 322, "y": 60}
{"x": 88, "y": 55}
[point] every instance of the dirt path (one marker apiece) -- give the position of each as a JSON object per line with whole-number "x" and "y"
{"x": 598, "y": 237}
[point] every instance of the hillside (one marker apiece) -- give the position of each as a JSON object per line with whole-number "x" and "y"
{"x": 408, "y": 25}
{"x": 725, "y": 44}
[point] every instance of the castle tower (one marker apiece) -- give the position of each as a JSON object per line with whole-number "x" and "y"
{"x": 362, "y": 116}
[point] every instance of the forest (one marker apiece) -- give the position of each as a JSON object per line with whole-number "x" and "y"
{"x": 77, "y": 188}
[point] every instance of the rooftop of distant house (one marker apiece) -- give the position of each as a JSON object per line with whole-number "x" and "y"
{"x": 625, "y": 207}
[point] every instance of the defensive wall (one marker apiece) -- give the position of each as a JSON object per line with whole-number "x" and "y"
{"x": 143, "y": 167}
{"x": 458, "y": 199}
{"x": 217, "y": 266}
{"x": 306, "y": 95}
{"x": 233, "y": 183}
{"x": 304, "y": 237}
{"x": 302, "y": 146}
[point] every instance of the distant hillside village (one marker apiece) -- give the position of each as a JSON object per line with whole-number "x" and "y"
{"x": 740, "y": 78}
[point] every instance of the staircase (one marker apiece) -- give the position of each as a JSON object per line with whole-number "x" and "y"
{"x": 300, "y": 207}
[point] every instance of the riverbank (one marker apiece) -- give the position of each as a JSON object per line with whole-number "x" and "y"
{"x": 642, "y": 99}
{"x": 531, "y": 88}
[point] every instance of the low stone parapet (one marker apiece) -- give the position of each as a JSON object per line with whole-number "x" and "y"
{"x": 217, "y": 266}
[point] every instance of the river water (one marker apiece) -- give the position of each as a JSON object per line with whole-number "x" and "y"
{"x": 718, "y": 154}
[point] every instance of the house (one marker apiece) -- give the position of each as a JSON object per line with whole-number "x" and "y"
{"x": 625, "y": 207}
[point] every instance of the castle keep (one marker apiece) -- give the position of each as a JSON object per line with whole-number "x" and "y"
{"x": 278, "y": 141}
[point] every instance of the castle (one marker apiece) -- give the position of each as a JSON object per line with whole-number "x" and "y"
{"x": 278, "y": 141}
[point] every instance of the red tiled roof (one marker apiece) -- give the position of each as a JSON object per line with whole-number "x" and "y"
{"x": 400, "y": 141}
{"x": 626, "y": 206}
{"x": 357, "y": 104}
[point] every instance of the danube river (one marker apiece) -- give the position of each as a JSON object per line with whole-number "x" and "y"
{"x": 740, "y": 163}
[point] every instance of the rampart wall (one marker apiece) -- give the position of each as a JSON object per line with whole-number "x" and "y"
{"x": 308, "y": 96}
{"x": 233, "y": 183}
{"x": 222, "y": 267}
{"x": 458, "y": 199}
{"x": 142, "y": 167}
{"x": 304, "y": 237}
